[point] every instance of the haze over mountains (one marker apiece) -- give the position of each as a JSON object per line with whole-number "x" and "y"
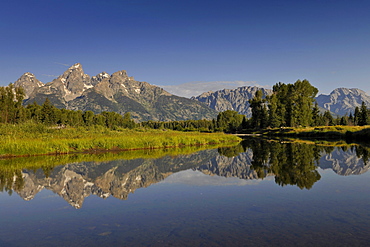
{"x": 120, "y": 93}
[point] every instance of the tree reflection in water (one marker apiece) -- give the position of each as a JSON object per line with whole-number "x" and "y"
{"x": 291, "y": 163}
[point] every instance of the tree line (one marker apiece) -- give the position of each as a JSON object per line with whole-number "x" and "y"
{"x": 290, "y": 163}
{"x": 294, "y": 105}
{"x": 12, "y": 111}
{"x": 227, "y": 121}
{"x": 290, "y": 105}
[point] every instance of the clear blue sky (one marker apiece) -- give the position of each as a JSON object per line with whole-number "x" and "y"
{"x": 174, "y": 42}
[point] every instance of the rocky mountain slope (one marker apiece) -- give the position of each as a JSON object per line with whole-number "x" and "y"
{"x": 239, "y": 166}
{"x": 340, "y": 101}
{"x": 76, "y": 181}
{"x": 231, "y": 99}
{"x": 28, "y": 82}
{"x": 344, "y": 163}
{"x": 118, "y": 92}
{"x": 343, "y": 101}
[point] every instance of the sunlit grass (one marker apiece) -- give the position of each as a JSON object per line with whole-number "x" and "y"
{"x": 335, "y": 132}
{"x": 33, "y": 139}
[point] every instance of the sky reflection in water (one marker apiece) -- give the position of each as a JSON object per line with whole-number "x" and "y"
{"x": 176, "y": 201}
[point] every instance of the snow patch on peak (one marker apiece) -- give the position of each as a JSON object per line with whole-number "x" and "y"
{"x": 87, "y": 87}
{"x": 75, "y": 66}
{"x": 104, "y": 74}
{"x": 67, "y": 92}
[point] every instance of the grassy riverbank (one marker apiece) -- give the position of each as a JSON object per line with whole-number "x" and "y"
{"x": 35, "y": 139}
{"x": 361, "y": 133}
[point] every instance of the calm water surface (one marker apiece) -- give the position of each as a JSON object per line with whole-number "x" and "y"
{"x": 256, "y": 194}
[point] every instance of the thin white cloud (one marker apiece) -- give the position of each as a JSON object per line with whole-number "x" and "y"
{"x": 49, "y": 75}
{"x": 196, "y": 88}
{"x": 64, "y": 64}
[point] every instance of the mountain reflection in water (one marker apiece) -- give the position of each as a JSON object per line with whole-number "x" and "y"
{"x": 288, "y": 163}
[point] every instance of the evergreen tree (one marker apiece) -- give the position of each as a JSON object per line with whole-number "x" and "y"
{"x": 33, "y": 111}
{"x": 128, "y": 122}
{"x": 315, "y": 115}
{"x": 88, "y": 117}
{"x": 48, "y": 115}
{"x": 229, "y": 121}
{"x": 328, "y": 119}
{"x": 303, "y": 96}
{"x": 11, "y": 104}
{"x": 292, "y": 104}
{"x": 344, "y": 120}
{"x": 274, "y": 121}
{"x": 356, "y": 117}
{"x": 258, "y": 112}
{"x": 99, "y": 120}
{"x": 283, "y": 107}
{"x": 363, "y": 115}
{"x": 74, "y": 118}
{"x": 264, "y": 117}
{"x": 350, "y": 119}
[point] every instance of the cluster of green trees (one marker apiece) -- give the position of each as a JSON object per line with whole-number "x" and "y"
{"x": 227, "y": 121}
{"x": 291, "y": 163}
{"x": 185, "y": 125}
{"x": 50, "y": 115}
{"x": 12, "y": 111}
{"x": 293, "y": 105}
{"x": 289, "y": 105}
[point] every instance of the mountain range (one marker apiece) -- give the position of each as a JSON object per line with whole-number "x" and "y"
{"x": 76, "y": 181}
{"x": 120, "y": 93}
{"x": 340, "y": 101}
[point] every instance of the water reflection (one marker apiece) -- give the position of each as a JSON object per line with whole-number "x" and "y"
{"x": 289, "y": 163}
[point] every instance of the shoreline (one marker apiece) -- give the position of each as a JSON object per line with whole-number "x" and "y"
{"x": 113, "y": 150}
{"x": 31, "y": 140}
{"x": 339, "y": 132}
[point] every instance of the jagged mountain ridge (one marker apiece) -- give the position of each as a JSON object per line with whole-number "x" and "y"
{"x": 340, "y": 101}
{"x": 344, "y": 163}
{"x": 118, "y": 92}
{"x": 231, "y": 99}
{"x": 239, "y": 166}
{"x": 28, "y": 82}
{"x": 76, "y": 181}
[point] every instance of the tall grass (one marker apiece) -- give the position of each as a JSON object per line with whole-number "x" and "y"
{"x": 323, "y": 132}
{"x": 33, "y": 139}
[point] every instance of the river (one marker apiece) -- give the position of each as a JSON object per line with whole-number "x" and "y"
{"x": 257, "y": 193}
